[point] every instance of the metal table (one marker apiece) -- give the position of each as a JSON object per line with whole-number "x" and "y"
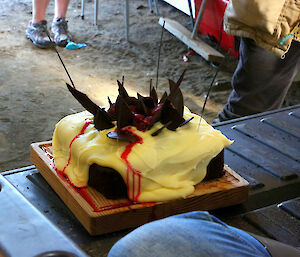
{"x": 265, "y": 152}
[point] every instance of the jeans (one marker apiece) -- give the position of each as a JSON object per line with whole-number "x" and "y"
{"x": 187, "y": 235}
{"x": 261, "y": 80}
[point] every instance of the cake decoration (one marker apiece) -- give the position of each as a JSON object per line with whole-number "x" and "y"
{"x": 141, "y": 112}
{"x": 141, "y": 148}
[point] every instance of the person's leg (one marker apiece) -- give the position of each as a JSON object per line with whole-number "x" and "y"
{"x": 60, "y": 25}
{"x": 188, "y": 235}
{"x": 38, "y": 10}
{"x": 61, "y": 7}
{"x": 37, "y": 29}
{"x": 261, "y": 80}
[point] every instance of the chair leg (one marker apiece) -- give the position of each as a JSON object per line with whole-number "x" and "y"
{"x": 126, "y": 20}
{"x": 150, "y": 5}
{"x": 96, "y": 4}
{"x": 82, "y": 9}
{"x": 156, "y": 7}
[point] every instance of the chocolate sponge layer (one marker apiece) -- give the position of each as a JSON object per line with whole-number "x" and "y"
{"x": 111, "y": 184}
{"x": 107, "y": 181}
{"x": 215, "y": 168}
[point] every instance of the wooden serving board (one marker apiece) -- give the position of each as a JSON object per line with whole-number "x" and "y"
{"x": 114, "y": 215}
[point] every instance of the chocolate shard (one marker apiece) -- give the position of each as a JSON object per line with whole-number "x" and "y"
{"x": 153, "y": 93}
{"x": 122, "y": 90}
{"x": 180, "y": 79}
{"x": 156, "y": 116}
{"x": 163, "y": 98}
{"x": 109, "y": 101}
{"x": 215, "y": 168}
{"x": 84, "y": 100}
{"x": 176, "y": 97}
{"x": 123, "y": 113}
{"x": 112, "y": 109}
{"x": 149, "y": 102}
{"x": 186, "y": 121}
{"x": 155, "y": 133}
{"x": 107, "y": 181}
{"x": 102, "y": 120}
{"x": 141, "y": 108}
{"x": 122, "y": 136}
{"x": 123, "y": 93}
{"x": 169, "y": 113}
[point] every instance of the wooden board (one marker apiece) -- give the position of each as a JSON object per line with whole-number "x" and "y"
{"x": 198, "y": 45}
{"x": 229, "y": 190}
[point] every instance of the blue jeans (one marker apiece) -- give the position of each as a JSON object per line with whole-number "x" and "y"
{"x": 187, "y": 235}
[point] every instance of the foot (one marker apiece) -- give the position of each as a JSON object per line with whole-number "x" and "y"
{"x": 38, "y": 34}
{"x": 60, "y": 31}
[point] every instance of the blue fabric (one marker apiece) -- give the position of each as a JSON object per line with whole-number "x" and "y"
{"x": 72, "y": 46}
{"x": 188, "y": 235}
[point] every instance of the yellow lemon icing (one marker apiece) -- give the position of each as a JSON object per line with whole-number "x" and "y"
{"x": 159, "y": 168}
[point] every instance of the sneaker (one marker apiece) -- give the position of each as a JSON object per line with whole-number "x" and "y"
{"x": 38, "y": 34}
{"x": 61, "y": 33}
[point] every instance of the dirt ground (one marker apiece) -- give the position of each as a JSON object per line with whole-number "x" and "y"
{"x": 33, "y": 95}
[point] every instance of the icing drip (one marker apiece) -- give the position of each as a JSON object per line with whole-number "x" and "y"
{"x": 124, "y": 157}
{"x": 86, "y": 124}
{"x": 83, "y": 191}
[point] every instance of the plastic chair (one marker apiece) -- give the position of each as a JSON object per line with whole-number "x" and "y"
{"x": 126, "y": 13}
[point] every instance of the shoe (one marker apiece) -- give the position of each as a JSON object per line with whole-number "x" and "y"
{"x": 60, "y": 31}
{"x": 38, "y": 34}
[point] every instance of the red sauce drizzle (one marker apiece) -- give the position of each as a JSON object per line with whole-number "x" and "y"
{"x": 80, "y": 190}
{"x": 83, "y": 190}
{"x": 124, "y": 157}
{"x": 85, "y": 195}
{"x": 86, "y": 124}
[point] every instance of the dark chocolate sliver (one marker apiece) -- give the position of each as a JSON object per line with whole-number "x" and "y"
{"x": 102, "y": 120}
{"x": 112, "y": 110}
{"x": 176, "y": 97}
{"x": 163, "y": 98}
{"x": 122, "y": 136}
{"x": 142, "y": 109}
{"x": 107, "y": 181}
{"x": 149, "y": 103}
{"x": 122, "y": 90}
{"x": 186, "y": 121}
{"x": 84, "y": 100}
{"x": 180, "y": 79}
{"x": 215, "y": 168}
{"x": 153, "y": 93}
{"x": 123, "y": 93}
{"x": 156, "y": 117}
{"x": 109, "y": 101}
{"x": 123, "y": 113}
{"x": 169, "y": 113}
{"x": 155, "y": 133}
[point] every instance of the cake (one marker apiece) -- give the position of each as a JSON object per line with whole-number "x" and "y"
{"x": 142, "y": 148}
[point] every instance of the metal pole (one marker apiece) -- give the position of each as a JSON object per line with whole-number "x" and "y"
{"x": 199, "y": 17}
{"x": 82, "y": 9}
{"x": 127, "y": 20}
{"x": 96, "y": 12}
{"x": 150, "y": 5}
{"x": 156, "y": 8}
{"x": 191, "y": 14}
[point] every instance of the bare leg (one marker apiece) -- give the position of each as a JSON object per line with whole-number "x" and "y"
{"x": 61, "y": 7}
{"x": 38, "y": 10}
{"x": 60, "y": 24}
